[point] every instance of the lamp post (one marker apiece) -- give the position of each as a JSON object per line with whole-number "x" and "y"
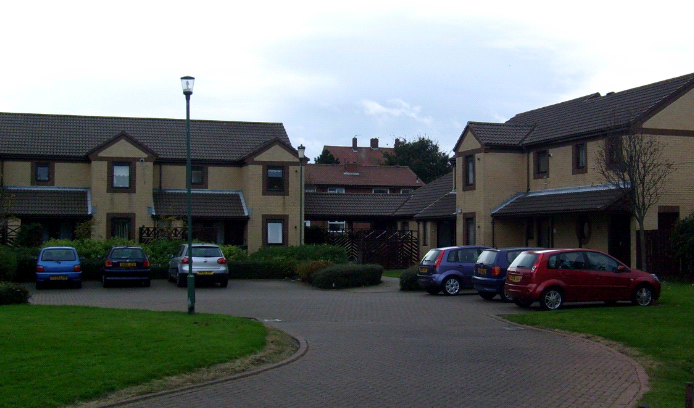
{"x": 187, "y": 83}
{"x": 302, "y": 151}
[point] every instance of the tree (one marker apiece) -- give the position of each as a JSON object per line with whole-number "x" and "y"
{"x": 326, "y": 158}
{"x": 422, "y": 156}
{"x": 636, "y": 162}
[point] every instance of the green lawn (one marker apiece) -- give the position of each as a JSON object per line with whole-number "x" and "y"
{"x": 393, "y": 273}
{"x": 55, "y": 355}
{"x": 663, "y": 332}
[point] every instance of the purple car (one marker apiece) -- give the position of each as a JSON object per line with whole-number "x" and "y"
{"x": 448, "y": 269}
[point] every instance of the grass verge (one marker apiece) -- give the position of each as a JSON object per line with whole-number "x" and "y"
{"x": 58, "y": 355}
{"x": 660, "y": 337}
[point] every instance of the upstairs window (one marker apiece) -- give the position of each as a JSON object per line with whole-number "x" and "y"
{"x": 469, "y": 173}
{"x": 381, "y": 190}
{"x": 197, "y": 175}
{"x": 336, "y": 190}
{"x": 580, "y": 159}
{"x": 275, "y": 180}
{"x": 42, "y": 174}
{"x": 541, "y": 164}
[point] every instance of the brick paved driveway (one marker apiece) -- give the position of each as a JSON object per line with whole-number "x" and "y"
{"x": 379, "y": 347}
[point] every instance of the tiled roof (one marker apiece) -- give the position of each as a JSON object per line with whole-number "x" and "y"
{"x": 49, "y": 201}
{"x": 368, "y": 176}
{"x": 346, "y": 206}
{"x": 562, "y": 200}
{"x": 441, "y": 208}
{"x": 23, "y": 134}
{"x": 364, "y": 156}
{"x": 584, "y": 116}
{"x": 426, "y": 196}
{"x": 204, "y": 203}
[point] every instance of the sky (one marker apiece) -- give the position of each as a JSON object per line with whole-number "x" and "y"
{"x": 330, "y": 72}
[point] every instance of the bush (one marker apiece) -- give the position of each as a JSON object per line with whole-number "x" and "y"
{"x": 305, "y": 269}
{"x": 332, "y": 253}
{"x": 29, "y": 235}
{"x": 683, "y": 243}
{"x": 278, "y": 268}
{"x": 408, "y": 279}
{"x": 234, "y": 253}
{"x": 12, "y": 294}
{"x": 8, "y": 264}
{"x": 347, "y": 276}
{"x": 26, "y": 264}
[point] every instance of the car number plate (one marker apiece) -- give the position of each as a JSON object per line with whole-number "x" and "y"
{"x": 205, "y": 273}
{"x": 482, "y": 271}
{"x": 514, "y": 278}
{"x": 423, "y": 270}
{"x": 59, "y": 277}
{"x": 126, "y": 264}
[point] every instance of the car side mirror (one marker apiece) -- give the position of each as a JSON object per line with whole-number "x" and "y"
{"x": 622, "y": 268}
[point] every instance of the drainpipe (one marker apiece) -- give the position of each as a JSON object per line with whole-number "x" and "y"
{"x": 493, "y": 235}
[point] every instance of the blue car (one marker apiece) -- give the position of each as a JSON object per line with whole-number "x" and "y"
{"x": 448, "y": 269}
{"x": 58, "y": 265}
{"x": 490, "y": 271}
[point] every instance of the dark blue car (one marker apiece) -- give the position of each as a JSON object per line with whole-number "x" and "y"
{"x": 490, "y": 271}
{"x": 126, "y": 264}
{"x": 58, "y": 265}
{"x": 448, "y": 269}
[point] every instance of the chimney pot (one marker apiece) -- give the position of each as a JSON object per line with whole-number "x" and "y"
{"x": 354, "y": 143}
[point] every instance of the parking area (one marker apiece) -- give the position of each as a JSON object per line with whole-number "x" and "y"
{"x": 379, "y": 347}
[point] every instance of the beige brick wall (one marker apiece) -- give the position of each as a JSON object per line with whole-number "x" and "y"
{"x": 72, "y": 175}
{"x": 677, "y": 115}
{"x": 17, "y": 173}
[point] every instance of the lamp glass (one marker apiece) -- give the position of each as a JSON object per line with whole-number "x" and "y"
{"x": 301, "y": 150}
{"x": 187, "y": 83}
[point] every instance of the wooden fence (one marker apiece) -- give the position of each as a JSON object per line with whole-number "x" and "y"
{"x": 390, "y": 249}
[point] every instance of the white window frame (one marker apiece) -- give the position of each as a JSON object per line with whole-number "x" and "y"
{"x": 340, "y": 190}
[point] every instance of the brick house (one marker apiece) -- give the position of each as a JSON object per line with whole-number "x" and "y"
{"x": 533, "y": 180}
{"x": 128, "y": 173}
{"x": 371, "y": 155}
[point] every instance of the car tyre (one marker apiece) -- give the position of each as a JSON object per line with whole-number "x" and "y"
{"x": 148, "y": 283}
{"x": 505, "y": 297}
{"x": 78, "y": 285}
{"x": 181, "y": 280}
{"x": 551, "y": 299}
{"x": 224, "y": 283}
{"x": 642, "y": 296}
{"x": 433, "y": 291}
{"x": 487, "y": 295}
{"x": 39, "y": 285}
{"x": 451, "y": 286}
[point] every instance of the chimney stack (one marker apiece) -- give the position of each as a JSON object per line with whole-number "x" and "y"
{"x": 354, "y": 143}
{"x": 397, "y": 142}
{"x": 374, "y": 143}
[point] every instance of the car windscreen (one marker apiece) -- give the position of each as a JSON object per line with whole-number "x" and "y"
{"x": 127, "y": 253}
{"x": 58, "y": 255}
{"x": 207, "y": 252}
{"x": 431, "y": 256}
{"x": 525, "y": 260}
{"x": 487, "y": 257}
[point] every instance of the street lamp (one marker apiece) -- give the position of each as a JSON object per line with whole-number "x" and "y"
{"x": 187, "y": 83}
{"x": 302, "y": 150}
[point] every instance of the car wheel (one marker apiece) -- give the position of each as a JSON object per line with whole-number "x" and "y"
{"x": 505, "y": 297}
{"x": 451, "y": 286}
{"x": 433, "y": 291}
{"x": 642, "y": 296}
{"x": 487, "y": 295}
{"x": 224, "y": 283}
{"x": 78, "y": 285}
{"x": 172, "y": 275}
{"x": 148, "y": 283}
{"x": 39, "y": 285}
{"x": 181, "y": 280}
{"x": 523, "y": 302}
{"x": 551, "y": 299}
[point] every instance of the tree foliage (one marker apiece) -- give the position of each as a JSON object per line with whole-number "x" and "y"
{"x": 683, "y": 243}
{"x": 636, "y": 162}
{"x": 326, "y": 158}
{"x": 423, "y": 157}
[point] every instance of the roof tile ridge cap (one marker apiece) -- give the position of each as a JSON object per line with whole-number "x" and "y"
{"x": 532, "y": 128}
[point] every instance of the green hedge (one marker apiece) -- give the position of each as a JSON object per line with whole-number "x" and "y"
{"x": 278, "y": 268}
{"x": 408, "y": 279}
{"x": 323, "y": 252}
{"x": 12, "y": 294}
{"x": 347, "y": 276}
{"x": 8, "y": 264}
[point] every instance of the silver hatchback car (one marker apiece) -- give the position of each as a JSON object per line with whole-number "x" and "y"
{"x": 209, "y": 265}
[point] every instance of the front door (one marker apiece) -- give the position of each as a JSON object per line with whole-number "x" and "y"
{"x": 619, "y": 237}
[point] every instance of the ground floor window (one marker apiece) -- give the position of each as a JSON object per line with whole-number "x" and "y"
{"x": 121, "y": 226}
{"x": 275, "y": 229}
{"x": 469, "y": 225}
{"x": 336, "y": 226}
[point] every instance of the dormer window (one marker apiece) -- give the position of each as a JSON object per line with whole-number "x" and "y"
{"x": 42, "y": 174}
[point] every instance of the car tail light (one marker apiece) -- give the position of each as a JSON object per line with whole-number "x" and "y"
{"x": 77, "y": 268}
{"x": 496, "y": 270}
{"x": 537, "y": 264}
{"x": 39, "y": 268}
{"x": 184, "y": 261}
{"x": 146, "y": 263}
{"x": 438, "y": 259}
{"x": 221, "y": 261}
{"x": 109, "y": 263}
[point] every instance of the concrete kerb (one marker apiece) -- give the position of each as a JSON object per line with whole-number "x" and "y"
{"x": 638, "y": 368}
{"x": 303, "y": 349}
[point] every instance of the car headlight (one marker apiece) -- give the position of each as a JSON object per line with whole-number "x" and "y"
{"x": 655, "y": 277}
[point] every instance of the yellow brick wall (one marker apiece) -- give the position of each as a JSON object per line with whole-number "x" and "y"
{"x": 17, "y": 173}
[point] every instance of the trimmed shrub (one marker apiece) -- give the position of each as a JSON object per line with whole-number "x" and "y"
{"x": 29, "y": 235}
{"x": 234, "y": 253}
{"x": 347, "y": 276}
{"x": 305, "y": 269}
{"x": 278, "y": 268}
{"x": 8, "y": 264}
{"x": 332, "y": 253}
{"x": 408, "y": 279}
{"x": 26, "y": 264}
{"x": 13, "y": 294}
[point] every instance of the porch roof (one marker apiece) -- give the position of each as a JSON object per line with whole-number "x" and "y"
{"x": 441, "y": 208}
{"x": 562, "y": 200}
{"x": 49, "y": 202}
{"x": 218, "y": 204}
{"x": 350, "y": 206}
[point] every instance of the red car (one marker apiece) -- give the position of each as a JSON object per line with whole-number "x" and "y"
{"x": 556, "y": 276}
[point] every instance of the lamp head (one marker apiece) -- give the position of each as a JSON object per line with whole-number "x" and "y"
{"x": 301, "y": 150}
{"x": 187, "y": 83}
